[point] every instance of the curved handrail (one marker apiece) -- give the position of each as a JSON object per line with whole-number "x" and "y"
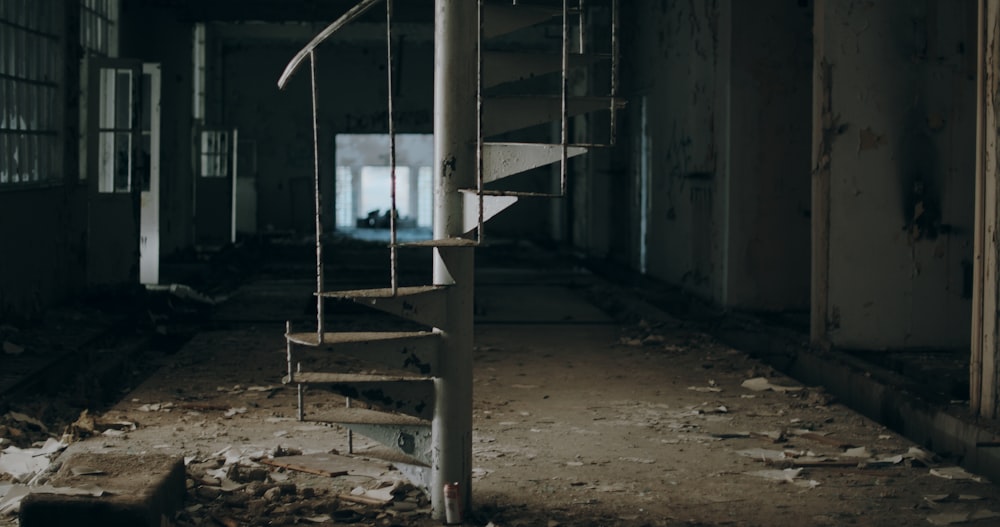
{"x": 344, "y": 19}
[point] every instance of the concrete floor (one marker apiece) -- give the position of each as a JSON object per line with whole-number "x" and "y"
{"x": 618, "y": 415}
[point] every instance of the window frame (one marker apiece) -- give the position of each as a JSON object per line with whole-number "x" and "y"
{"x": 31, "y": 90}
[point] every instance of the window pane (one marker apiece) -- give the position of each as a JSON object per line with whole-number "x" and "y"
{"x": 4, "y": 163}
{"x": 3, "y": 104}
{"x": 123, "y": 158}
{"x": 31, "y": 158}
{"x": 123, "y": 99}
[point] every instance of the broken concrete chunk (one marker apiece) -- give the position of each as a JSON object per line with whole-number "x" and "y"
{"x": 761, "y": 384}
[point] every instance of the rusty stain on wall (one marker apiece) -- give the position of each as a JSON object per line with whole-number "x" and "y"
{"x": 869, "y": 140}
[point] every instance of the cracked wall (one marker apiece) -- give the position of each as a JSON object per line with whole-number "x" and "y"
{"x": 727, "y": 96}
{"x": 898, "y": 146}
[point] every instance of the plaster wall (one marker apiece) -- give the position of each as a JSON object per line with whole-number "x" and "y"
{"x": 770, "y": 97}
{"x": 678, "y": 57}
{"x": 899, "y": 139}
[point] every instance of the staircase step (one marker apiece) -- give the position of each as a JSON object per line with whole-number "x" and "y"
{"x": 415, "y": 351}
{"x": 492, "y": 205}
{"x": 508, "y": 113}
{"x": 362, "y": 416}
{"x": 501, "y": 160}
{"x": 404, "y": 434}
{"x": 513, "y": 193}
{"x": 349, "y": 378}
{"x": 445, "y": 242}
{"x": 352, "y": 337}
{"x": 500, "y": 67}
{"x": 421, "y": 304}
{"x": 381, "y": 293}
{"x": 407, "y": 394}
{"x": 501, "y": 19}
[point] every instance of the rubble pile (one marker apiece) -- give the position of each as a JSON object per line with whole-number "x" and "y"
{"x": 221, "y": 492}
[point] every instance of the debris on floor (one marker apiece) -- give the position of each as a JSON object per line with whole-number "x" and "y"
{"x": 237, "y": 488}
{"x": 958, "y": 473}
{"x": 24, "y": 465}
{"x": 760, "y": 384}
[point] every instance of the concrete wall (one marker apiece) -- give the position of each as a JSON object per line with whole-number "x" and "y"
{"x": 42, "y": 244}
{"x": 897, "y": 147}
{"x": 43, "y": 230}
{"x": 769, "y": 141}
{"x": 352, "y": 91}
{"x": 678, "y": 56}
{"x": 726, "y": 86}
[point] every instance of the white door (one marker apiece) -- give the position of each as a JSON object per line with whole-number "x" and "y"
{"x": 149, "y": 220}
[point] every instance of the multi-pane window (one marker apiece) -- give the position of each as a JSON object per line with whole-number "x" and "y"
{"x": 215, "y": 153}
{"x": 31, "y": 59}
{"x": 98, "y": 28}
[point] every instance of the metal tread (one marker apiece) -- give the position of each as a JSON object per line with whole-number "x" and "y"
{"x": 444, "y": 242}
{"x": 384, "y": 292}
{"x": 395, "y": 457}
{"x": 554, "y": 145}
{"x": 362, "y": 416}
{"x": 344, "y": 337}
{"x": 349, "y": 378}
{"x": 513, "y": 193}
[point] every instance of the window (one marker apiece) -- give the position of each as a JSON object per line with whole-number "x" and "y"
{"x": 215, "y": 153}
{"x": 363, "y": 181}
{"x": 115, "y": 131}
{"x": 31, "y": 59}
{"x": 98, "y": 27}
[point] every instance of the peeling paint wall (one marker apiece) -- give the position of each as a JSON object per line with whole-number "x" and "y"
{"x": 899, "y": 143}
{"x": 678, "y": 57}
{"x": 727, "y": 89}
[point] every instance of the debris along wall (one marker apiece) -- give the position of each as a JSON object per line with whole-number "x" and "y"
{"x": 352, "y": 99}
{"x": 676, "y": 54}
{"x": 770, "y": 97}
{"x": 894, "y": 107}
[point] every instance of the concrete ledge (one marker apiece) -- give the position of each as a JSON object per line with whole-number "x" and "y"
{"x": 140, "y": 490}
{"x": 949, "y": 431}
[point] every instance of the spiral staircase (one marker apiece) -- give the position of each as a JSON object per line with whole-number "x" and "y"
{"x": 412, "y": 390}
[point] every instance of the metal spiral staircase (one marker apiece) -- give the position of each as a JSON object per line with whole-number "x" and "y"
{"x": 490, "y": 102}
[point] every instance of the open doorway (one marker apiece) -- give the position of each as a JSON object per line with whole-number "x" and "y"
{"x": 364, "y": 186}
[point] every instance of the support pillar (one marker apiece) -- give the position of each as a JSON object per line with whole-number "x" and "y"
{"x": 455, "y": 132}
{"x": 984, "y": 376}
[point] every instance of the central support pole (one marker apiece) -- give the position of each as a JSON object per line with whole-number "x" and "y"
{"x": 455, "y": 133}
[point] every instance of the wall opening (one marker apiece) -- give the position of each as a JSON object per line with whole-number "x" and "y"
{"x": 364, "y": 187}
